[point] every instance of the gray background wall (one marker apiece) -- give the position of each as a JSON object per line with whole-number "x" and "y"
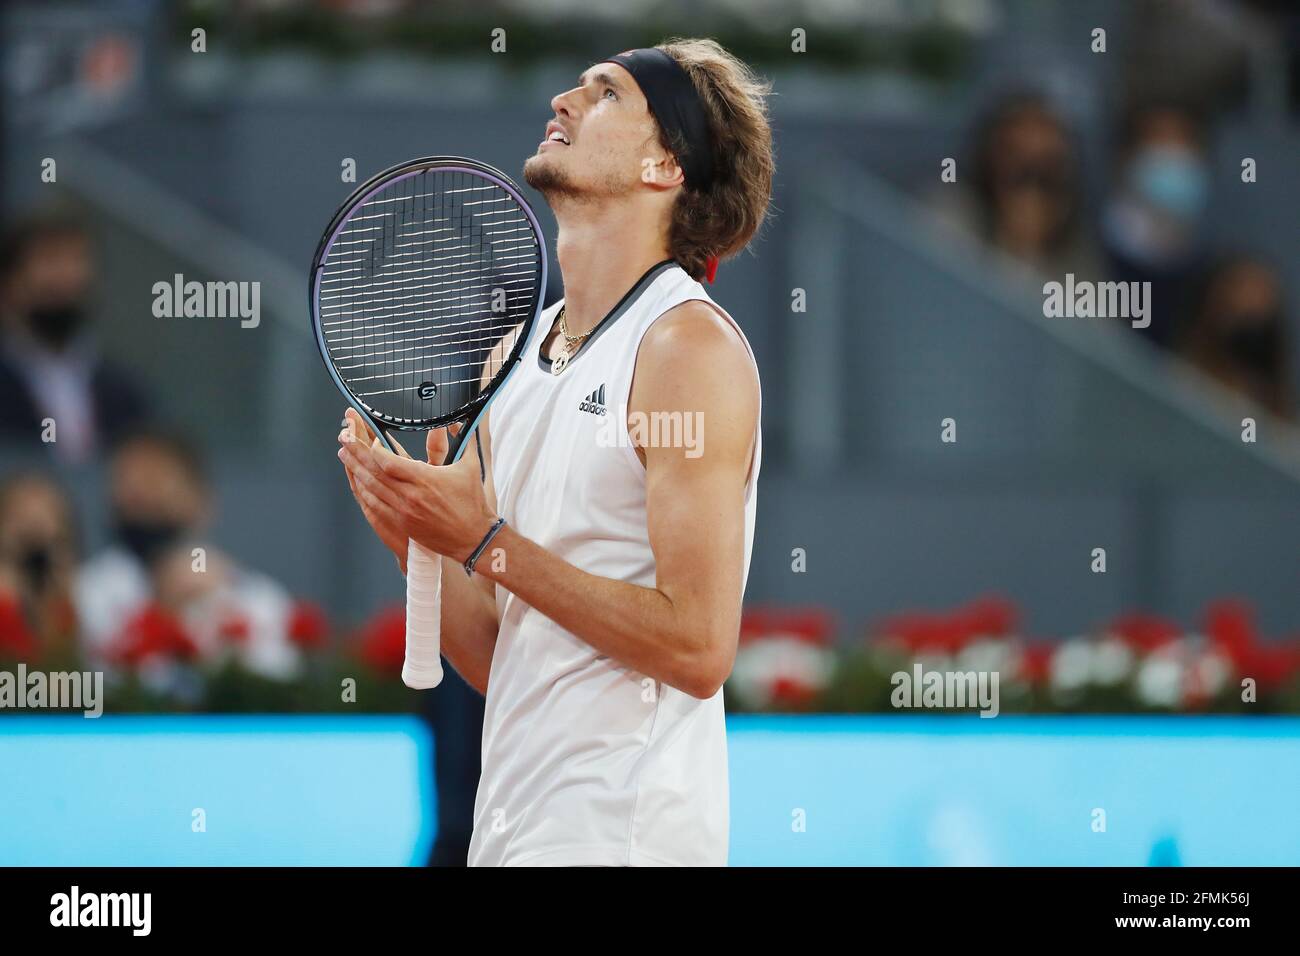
{"x": 1070, "y": 437}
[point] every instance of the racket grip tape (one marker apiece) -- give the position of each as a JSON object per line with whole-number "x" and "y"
{"x": 423, "y": 666}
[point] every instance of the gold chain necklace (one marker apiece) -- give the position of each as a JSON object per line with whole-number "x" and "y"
{"x": 571, "y": 343}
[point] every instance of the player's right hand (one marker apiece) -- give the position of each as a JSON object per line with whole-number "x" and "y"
{"x": 436, "y": 444}
{"x": 393, "y": 537}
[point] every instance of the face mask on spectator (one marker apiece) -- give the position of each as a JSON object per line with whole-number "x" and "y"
{"x": 1173, "y": 181}
{"x": 1255, "y": 343}
{"x": 148, "y": 540}
{"x": 56, "y": 323}
{"x": 37, "y": 564}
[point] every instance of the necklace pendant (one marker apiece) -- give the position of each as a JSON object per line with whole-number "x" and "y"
{"x": 560, "y": 363}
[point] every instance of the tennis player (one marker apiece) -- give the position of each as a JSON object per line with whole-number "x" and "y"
{"x": 609, "y": 544}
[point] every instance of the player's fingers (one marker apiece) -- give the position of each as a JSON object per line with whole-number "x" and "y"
{"x": 393, "y": 467}
{"x": 348, "y": 471}
{"x": 352, "y": 484}
{"x": 380, "y": 517}
{"x": 439, "y": 442}
{"x": 373, "y": 484}
{"x": 435, "y": 446}
{"x": 383, "y": 458}
{"x": 363, "y": 463}
{"x": 355, "y": 429}
{"x": 377, "y": 509}
{"x": 360, "y": 430}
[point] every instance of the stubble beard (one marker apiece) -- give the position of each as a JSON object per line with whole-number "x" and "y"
{"x": 559, "y": 187}
{"x": 549, "y": 180}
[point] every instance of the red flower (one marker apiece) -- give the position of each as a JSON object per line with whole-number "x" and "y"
{"x": 988, "y": 617}
{"x": 1271, "y": 665}
{"x": 1036, "y": 662}
{"x": 948, "y": 632}
{"x": 235, "y": 628}
{"x": 755, "y": 622}
{"x": 1145, "y": 632}
{"x": 153, "y": 632}
{"x": 812, "y": 624}
{"x": 920, "y": 633}
{"x": 791, "y": 692}
{"x": 383, "y": 641}
{"x": 1230, "y": 625}
{"x": 904, "y": 629}
{"x": 308, "y": 626}
{"x": 1231, "y": 628}
{"x": 16, "y": 640}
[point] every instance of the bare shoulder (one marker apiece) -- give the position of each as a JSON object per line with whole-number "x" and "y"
{"x": 693, "y": 362}
{"x": 693, "y": 343}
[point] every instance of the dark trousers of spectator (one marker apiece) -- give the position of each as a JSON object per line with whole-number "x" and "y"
{"x": 454, "y": 711}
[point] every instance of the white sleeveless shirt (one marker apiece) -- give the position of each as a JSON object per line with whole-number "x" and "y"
{"x": 586, "y": 762}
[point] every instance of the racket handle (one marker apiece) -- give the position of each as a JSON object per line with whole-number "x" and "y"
{"x": 423, "y": 666}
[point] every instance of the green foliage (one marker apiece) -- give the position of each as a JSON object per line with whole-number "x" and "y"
{"x": 862, "y": 683}
{"x": 231, "y": 689}
{"x": 926, "y": 49}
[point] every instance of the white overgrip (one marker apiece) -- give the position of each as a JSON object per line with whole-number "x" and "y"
{"x": 423, "y": 666}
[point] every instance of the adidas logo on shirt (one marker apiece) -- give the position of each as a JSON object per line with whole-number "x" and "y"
{"x": 594, "y": 403}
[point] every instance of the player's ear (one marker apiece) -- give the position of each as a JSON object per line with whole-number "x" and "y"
{"x": 662, "y": 172}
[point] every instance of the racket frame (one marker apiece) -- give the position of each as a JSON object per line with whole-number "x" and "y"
{"x": 472, "y": 413}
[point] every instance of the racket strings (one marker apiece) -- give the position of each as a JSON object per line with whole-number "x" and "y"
{"x": 424, "y": 280}
{"x": 377, "y": 297}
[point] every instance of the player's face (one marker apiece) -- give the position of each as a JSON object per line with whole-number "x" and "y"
{"x": 600, "y": 138}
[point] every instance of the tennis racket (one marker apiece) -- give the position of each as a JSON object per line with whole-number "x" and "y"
{"x": 421, "y": 274}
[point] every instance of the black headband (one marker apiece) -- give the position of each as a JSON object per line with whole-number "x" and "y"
{"x": 677, "y": 108}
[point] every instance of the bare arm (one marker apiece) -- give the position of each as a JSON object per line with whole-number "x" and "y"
{"x": 684, "y": 630}
{"x": 469, "y": 605}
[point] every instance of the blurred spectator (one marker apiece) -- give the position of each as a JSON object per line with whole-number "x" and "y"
{"x": 1199, "y": 49}
{"x": 37, "y": 560}
{"x": 1237, "y": 333}
{"x": 159, "y": 592}
{"x": 1026, "y": 197}
{"x": 1153, "y": 226}
{"x": 48, "y": 365}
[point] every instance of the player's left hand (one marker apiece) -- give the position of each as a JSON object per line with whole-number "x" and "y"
{"x": 442, "y": 507}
